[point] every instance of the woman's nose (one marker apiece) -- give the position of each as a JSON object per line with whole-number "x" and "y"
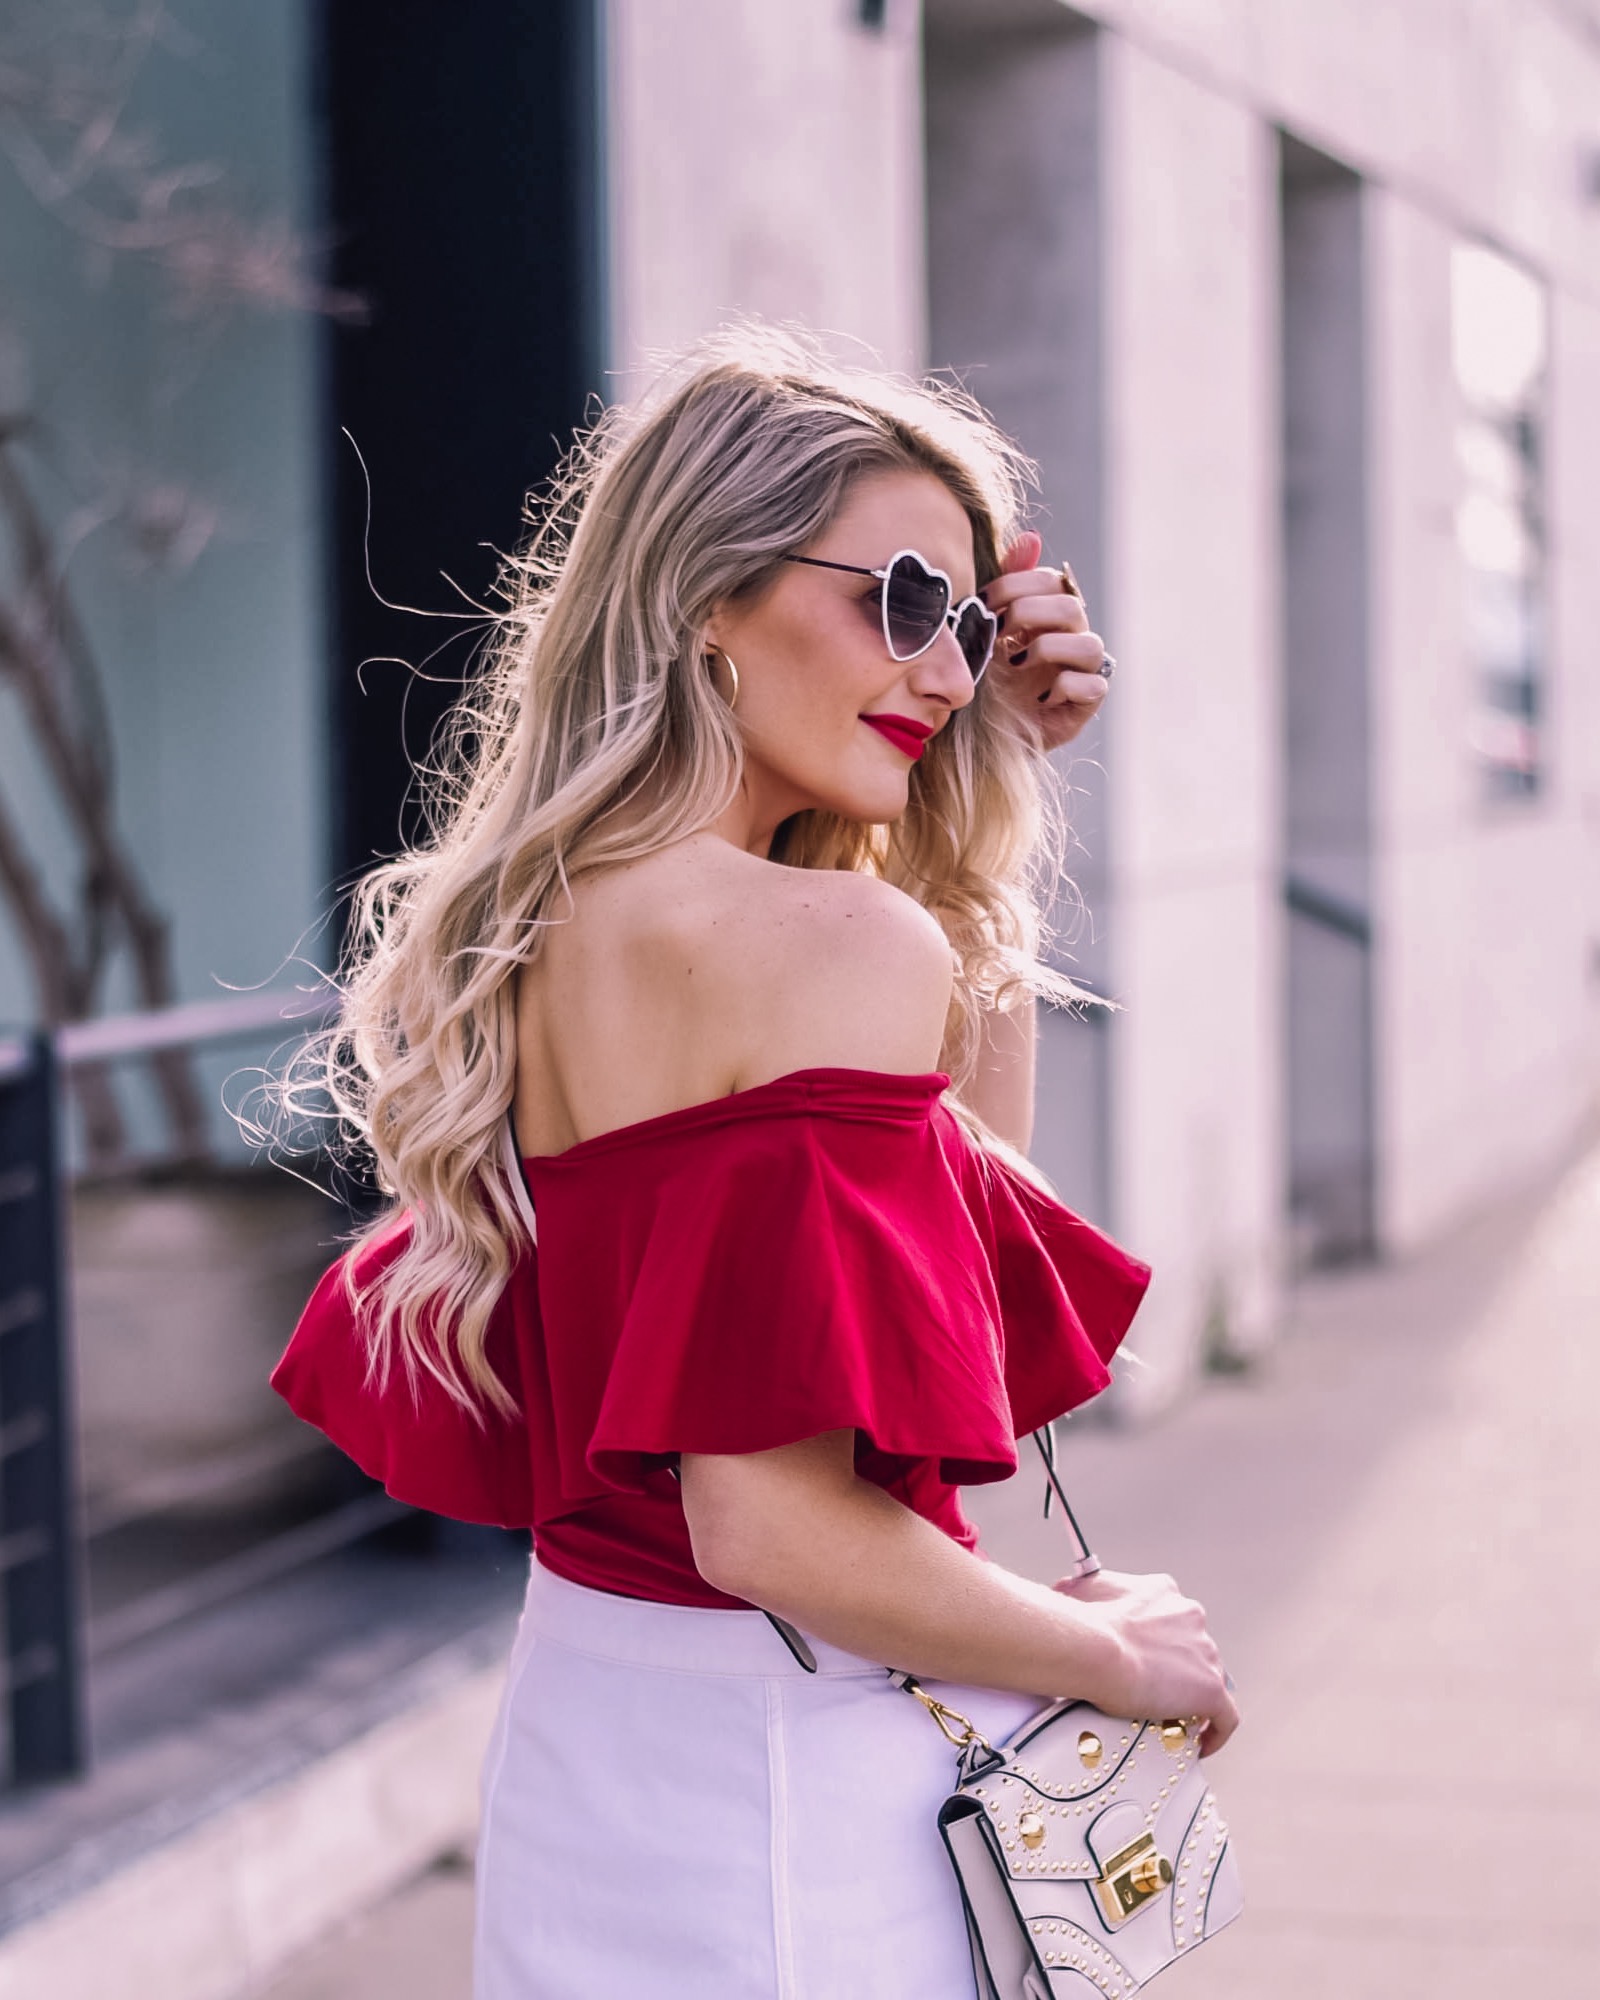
{"x": 942, "y": 673}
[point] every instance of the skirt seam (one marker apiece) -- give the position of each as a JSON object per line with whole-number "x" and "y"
{"x": 778, "y": 1795}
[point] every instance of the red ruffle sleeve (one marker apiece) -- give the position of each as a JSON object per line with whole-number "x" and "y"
{"x": 413, "y": 1437}
{"x": 823, "y": 1252}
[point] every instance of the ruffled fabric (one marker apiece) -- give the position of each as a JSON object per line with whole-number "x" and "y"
{"x": 412, "y": 1435}
{"x": 824, "y": 1252}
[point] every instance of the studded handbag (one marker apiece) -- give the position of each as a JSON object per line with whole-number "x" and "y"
{"x": 1089, "y": 1850}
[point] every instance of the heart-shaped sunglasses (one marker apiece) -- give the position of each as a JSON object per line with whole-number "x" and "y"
{"x": 914, "y": 598}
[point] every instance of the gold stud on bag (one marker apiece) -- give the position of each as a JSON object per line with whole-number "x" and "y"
{"x": 1089, "y": 1850}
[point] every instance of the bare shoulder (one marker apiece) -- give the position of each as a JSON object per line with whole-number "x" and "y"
{"x": 704, "y": 899}
{"x": 833, "y": 918}
{"x": 700, "y": 969}
{"x": 829, "y": 969}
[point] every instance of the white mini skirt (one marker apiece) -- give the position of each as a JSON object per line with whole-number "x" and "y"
{"x": 673, "y": 1809}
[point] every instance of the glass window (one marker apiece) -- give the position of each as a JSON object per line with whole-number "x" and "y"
{"x": 1500, "y": 340}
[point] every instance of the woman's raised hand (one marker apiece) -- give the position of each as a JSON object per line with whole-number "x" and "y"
{"x": 1167, "y": 1663}
{"x": 1046, "y": 660}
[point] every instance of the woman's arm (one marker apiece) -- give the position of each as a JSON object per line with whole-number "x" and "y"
{"x": 797, "y": 1532}
{"x": 1002, "y": 1091}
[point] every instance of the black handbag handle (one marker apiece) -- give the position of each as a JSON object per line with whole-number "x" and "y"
{"x": 1045, "y": 1439}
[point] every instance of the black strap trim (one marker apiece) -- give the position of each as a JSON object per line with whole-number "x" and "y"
{"x": 795, "y": 1640}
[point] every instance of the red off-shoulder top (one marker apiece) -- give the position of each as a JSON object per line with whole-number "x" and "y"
{"x": 827, "y": 1251}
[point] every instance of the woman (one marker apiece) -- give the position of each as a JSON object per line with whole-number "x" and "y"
{"x": 729, "y": 883}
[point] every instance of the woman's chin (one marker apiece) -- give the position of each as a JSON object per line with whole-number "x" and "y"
{"x": 867, "y": 797}
{"x": 872, "y": 805}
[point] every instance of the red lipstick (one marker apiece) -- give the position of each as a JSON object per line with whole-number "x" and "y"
{"x": 908, "y": 736}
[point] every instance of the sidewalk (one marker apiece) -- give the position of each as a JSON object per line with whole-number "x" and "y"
{"x": 1395, "y": 1523}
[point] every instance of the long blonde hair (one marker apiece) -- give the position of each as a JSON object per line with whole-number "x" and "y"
{"x": 594, "y": 735}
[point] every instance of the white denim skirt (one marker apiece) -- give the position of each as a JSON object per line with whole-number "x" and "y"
{"x": 673, "y": 1809}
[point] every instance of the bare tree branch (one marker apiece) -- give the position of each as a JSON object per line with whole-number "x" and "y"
{"x": 30, "y": 663}
{"x": 49, "y": 944}
{"x": 69, "y": 71}
{"x": 63, "y": 987}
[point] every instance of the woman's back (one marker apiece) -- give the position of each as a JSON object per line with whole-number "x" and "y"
{"x": 699, "y": 970}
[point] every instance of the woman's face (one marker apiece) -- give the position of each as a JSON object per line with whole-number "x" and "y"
{"x": 813, "y": 664}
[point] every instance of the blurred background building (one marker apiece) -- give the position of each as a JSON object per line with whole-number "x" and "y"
{"x": 1294, "y": 306}
{"x": 1297, "y": 309}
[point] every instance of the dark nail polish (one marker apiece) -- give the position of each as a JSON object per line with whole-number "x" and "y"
{"x": 1000, "y": 623}
{"x": 1020, "y": 659}
{"x": 1043, "y": 697}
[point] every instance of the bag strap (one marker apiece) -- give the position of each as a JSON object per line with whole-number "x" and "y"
{"x": 511, "y": 1160}
{"x": 1087, "y": 1562}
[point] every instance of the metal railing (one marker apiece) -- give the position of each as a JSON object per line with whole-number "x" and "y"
{"x": 47, "y": 1644}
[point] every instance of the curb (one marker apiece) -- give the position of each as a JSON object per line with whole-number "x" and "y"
{"x": 214, "y": 1912}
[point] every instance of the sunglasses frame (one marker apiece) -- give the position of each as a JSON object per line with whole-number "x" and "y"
{"x": 952, "y": 615}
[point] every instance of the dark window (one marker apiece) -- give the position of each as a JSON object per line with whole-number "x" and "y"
{"x": 461, "y": 195}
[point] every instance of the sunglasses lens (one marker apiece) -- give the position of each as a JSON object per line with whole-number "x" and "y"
{"x": 914, "y": 606}
{"x": 975, "y": 630}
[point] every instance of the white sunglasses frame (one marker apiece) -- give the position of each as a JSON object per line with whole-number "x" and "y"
{"x": 953, "y": 611}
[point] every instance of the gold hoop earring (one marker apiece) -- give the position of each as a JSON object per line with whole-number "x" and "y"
{"x": 733, "y": 699}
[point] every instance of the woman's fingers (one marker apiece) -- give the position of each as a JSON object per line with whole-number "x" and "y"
{"x": 1021, "y": 555}
{"x": 1220, "y": 1725}
{"x": 1077, "y": 691}
{"x": 1171, "y": 1665}
{"x": 1047, "y": 661}
{"x": 1035, "y": 602}
{"x": 1061, "y": 670}
{"x": 1080, "y": 652}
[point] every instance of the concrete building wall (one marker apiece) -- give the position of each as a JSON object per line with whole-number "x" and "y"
{"x": 1191, "y": 605}
{"x": 1471, "y": 122}
{"x": 1078, "y": 208}
{"x": 767, "y": 160}
{"x": 1106, "y": 177}
{"x": 1482, "y": 985}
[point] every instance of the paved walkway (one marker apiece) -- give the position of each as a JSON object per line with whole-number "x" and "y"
{"x": 1396, "y": 1525}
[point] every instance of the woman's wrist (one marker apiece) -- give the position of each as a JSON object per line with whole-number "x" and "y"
{"x": 1095, "y": 1663}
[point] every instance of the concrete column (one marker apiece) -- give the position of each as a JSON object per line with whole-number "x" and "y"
{"x": 1015, "y": 312}
{"x": 1192, "y": 544}
{"x": 767, "y": 160}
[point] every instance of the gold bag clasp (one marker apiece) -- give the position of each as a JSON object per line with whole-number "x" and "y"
{"x": 1131, "y": 1878}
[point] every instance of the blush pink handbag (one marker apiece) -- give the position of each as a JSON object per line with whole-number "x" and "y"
{"x": 1090, "y": 1850}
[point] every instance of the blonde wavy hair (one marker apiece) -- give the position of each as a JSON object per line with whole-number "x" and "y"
{"x": 593, "y": 734}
